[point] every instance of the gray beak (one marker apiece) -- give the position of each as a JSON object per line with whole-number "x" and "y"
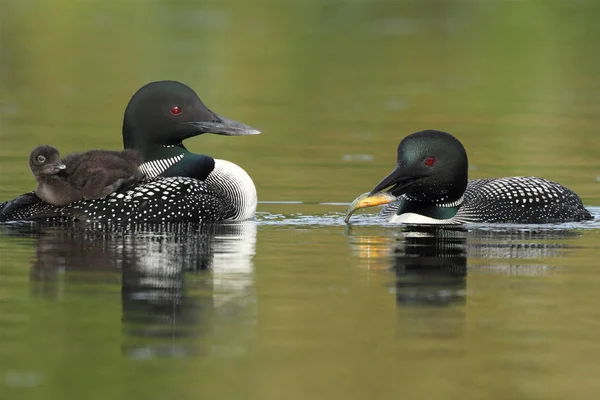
{"x": 225, "y": 126}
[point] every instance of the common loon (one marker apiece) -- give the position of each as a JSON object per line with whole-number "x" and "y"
{"x": 179, "y": 185}
{"x": 430, "y": 186}
{"x": 90, "y": 175}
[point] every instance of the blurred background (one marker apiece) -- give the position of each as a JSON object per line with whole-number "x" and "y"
{"x": 333, "y": 84}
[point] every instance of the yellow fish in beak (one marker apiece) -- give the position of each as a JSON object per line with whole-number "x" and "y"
{"x": 367, "y": 200}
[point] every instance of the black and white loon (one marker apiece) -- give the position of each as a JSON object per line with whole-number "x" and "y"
{"x": 179, "y": 185}
{"x": 430, "y": 186}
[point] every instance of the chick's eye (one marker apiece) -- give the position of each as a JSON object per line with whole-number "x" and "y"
{"x": 41, "y": 158}
{"x": 429, "y": 161}
{"x": 175, "y": 110}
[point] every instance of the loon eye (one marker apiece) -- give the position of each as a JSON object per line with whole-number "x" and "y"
{"x": 429, "y": 161}
{"x": 41, "y": 158}
{"x": 175, "y": 110}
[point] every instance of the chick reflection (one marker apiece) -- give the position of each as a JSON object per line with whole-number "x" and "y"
{"x": 431, "y": 266}
{"x": 178, "y": 281}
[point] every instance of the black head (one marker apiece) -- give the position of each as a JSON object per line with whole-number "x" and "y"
{"x": 167, "y": 112}
{"x": 432, "y": 167}
{"x": 45, "y": 160}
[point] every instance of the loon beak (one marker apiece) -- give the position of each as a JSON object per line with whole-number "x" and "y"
{"x": 386, "y": 191}
{"x": 55, "y": 168}
{"x": 395, "y": 183}
{"x": 224, "y": 126}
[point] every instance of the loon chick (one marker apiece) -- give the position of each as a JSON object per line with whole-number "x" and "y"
{"x": 430, "y": 186}
{"x": 91, "y": 175}
{"x": 157, "y": 119}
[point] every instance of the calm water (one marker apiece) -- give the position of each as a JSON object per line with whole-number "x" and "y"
{"x": 296, "y": 304}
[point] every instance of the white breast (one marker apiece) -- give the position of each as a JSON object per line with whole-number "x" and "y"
{"x": 237, "y": 186}
{"x": 412, "y": 218}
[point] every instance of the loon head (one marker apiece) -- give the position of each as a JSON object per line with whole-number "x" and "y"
{"x": 164, "y": 113}
{"x": 45, "y": 161}
{"x": 431, "y": 168}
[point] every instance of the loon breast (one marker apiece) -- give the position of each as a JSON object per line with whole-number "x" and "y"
{"x": 418, "y": 219}
{"x": 236, "y": 187}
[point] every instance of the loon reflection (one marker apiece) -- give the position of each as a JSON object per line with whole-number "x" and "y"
{"x": 431, "y": 266}
{"x": 430, "y": 262}
{"x": 177, "y": 281}
{"x": 516, "y": 252}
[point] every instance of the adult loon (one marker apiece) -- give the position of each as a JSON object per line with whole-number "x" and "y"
{"x": 90, "y": 175}
{"x": 180, "y": 185}
{"x": 430, "y": 186}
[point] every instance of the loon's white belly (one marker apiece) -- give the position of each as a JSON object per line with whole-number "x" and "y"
{"x": 238, "y": 187}
{"x": 413, "y": 218}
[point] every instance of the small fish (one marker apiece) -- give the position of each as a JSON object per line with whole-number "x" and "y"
{"x": 369, "y": 200}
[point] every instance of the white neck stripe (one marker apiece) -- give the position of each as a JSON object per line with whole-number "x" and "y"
{"x": 157, "y": 167}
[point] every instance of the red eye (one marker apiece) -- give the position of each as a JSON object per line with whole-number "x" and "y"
{"x": 429, "y": 161}
{"x": 175, "y": 110}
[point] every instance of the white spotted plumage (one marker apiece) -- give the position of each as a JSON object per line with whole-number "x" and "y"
{"x": 173, "y": 199}
{"x": 228, "y": 193}
{"x": 519, "y": 199}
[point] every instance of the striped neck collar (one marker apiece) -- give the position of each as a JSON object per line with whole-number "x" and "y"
{"x": 455, "y": 203}
{"x": 155, "y": 168}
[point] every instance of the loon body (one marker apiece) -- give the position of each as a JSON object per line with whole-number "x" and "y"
{"x": 430, "y": 186}
{"x": 154, "y": 200}
{"x": 178, "y": 185}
